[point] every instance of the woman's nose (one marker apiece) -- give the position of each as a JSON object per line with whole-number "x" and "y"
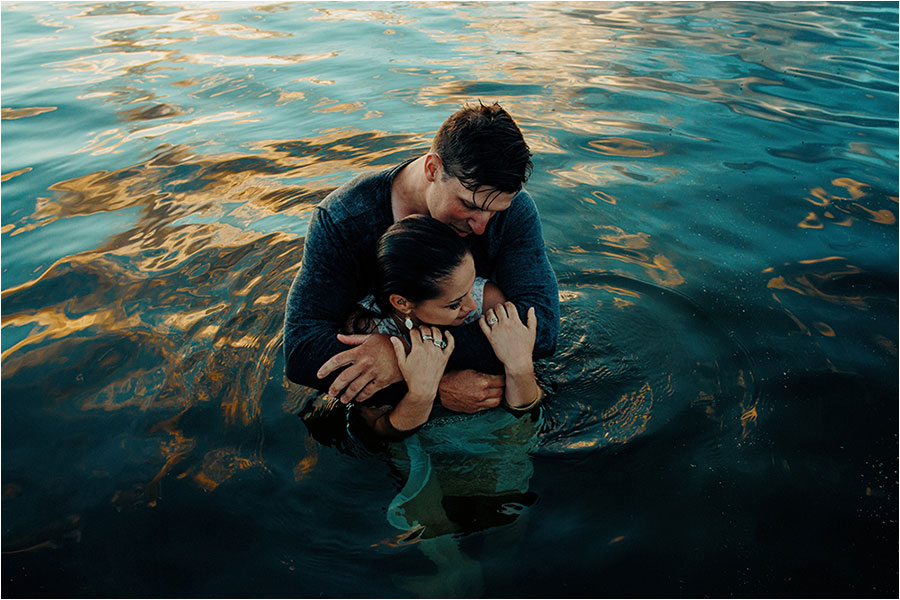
{"x": 469, "y": 304}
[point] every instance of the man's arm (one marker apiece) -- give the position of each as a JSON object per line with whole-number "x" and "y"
{"x": 522, "y": 271}
{"x": 320, "y": 298}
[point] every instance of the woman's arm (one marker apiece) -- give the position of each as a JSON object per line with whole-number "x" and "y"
{"x": 422, "y": 369}
{"x": 513, "y": 343}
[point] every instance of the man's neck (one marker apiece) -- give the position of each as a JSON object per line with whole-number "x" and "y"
{"x": 408, "y": 190}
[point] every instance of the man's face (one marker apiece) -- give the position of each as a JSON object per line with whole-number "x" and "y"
{"x": 467, "y": 213}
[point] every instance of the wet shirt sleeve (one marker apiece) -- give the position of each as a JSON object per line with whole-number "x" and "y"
{"x": 320, "y": 298}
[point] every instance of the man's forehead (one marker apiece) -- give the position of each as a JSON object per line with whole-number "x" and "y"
{"x": 491, "y": 198}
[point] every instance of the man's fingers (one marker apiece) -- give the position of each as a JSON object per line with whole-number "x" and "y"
{"x": 532, "y": 319}
{"x": 344, "y": 379}
{"x": 341, "y": 359}
{"x": 355, "y": 387}
{"x": 493, "y": 381}
{"x": 352, "y": 340}
{"x": 368, "y": 391}
{"x": 492, "y": 402}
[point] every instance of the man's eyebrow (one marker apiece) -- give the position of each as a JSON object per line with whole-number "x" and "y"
{"x": 472, "y": 204}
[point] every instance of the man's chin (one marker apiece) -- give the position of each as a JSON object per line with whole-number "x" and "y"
{"x": 459, "y": 231}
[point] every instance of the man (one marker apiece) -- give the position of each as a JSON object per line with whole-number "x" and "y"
{"x": 471, "y": 179}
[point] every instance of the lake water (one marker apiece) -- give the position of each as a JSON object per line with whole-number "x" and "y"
{"x": 718, "y": 190}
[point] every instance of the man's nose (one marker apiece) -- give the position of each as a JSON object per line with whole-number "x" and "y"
{"x": 479, "y": 222}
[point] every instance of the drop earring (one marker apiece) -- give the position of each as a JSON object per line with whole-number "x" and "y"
{"x": 409, "y": 324}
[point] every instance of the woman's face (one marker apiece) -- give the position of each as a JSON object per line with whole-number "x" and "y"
{"x": 455, "y": 300}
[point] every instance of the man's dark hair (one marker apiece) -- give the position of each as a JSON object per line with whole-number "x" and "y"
{"x": 483, "y": 147}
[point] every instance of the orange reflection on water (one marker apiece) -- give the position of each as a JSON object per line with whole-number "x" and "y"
{"x": 619, "y": 239}
{"x": 629, "y": 248}
{"x": 20, "y": 113}
{"x": 808, "y": 284}
{"x": 11, "y": 174}
{"x": 52, "y": 323}
{"x": 628, "y": 417}
{"x": 603, "y": 196}
{"x": 219, "y": 465}
{"x": 748, "y": 419}
{"x": 824, "y": 328}
{"x": 617, "y": 146}
{"x": 308, "y": 462}
{"x": 847, "y": 203}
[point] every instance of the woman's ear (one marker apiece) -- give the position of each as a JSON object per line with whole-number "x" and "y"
{"x": 401, "y": 304}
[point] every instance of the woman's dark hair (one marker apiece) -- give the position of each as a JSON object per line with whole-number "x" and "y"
{"x": 412, "y": 257}
{"x": 483, "y": 147}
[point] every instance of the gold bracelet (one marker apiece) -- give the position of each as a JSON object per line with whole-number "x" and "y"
{"x": 531, "y": 405}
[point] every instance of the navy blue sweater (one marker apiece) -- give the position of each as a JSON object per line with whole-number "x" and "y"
{"x": 338, "y": 259}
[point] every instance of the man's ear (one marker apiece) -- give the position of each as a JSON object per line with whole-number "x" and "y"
{"x": 401, "y": 304}
{"x": 434, "y": 167}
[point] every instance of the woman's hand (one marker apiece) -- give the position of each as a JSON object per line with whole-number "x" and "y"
{"x": 424, "y": 366}
{"x": 512, "y": 341}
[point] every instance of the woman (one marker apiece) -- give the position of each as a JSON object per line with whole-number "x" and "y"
{"x": 425, "y": 279}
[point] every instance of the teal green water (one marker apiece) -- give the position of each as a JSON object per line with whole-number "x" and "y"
{"x": 718, "y": 188}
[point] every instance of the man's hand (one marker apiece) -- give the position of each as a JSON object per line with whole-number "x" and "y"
{"x": 370, "y": 366}
{"x": 470, "y": 391}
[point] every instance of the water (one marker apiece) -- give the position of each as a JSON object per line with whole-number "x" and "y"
{"x": 718, "y": 189}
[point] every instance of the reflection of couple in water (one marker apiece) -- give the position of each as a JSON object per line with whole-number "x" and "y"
{"x": 426, "y": 293}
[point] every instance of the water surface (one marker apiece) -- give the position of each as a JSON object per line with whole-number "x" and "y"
{"x": 718, "y": 188}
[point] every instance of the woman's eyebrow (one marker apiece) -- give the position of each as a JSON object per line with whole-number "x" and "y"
{"x": 463, "y": 296}
{"x": 457, "y": 300}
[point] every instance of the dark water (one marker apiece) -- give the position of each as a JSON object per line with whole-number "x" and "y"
{"x": 718, "y": 188}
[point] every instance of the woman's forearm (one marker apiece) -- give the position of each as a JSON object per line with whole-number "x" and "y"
{"x": 522, "y": 390}
{"x": 411, "y": 413}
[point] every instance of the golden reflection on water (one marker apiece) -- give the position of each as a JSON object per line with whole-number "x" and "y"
{"x": 628, "y": 417}
{"x": 623, "y": 147}
{"x": 811, "y": 284}
{"x": 7, "y": 177}
{"x": 842, "y": 208}
{"x": 182, "y": 309}
{"x": 21, "y": 113}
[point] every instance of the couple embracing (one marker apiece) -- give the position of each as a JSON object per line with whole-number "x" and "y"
{"x": 431, "y": 274}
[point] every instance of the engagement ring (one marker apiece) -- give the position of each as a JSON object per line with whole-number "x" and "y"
{"x": 491, "y": 320}
{"x": 439, "y": 343}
